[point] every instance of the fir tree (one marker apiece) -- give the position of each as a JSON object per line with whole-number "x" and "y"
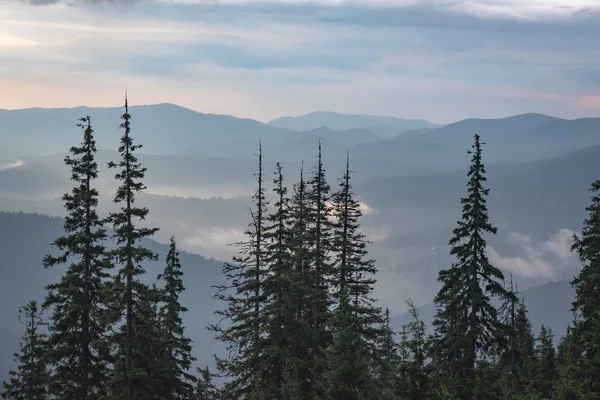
{"x": 388, "y": 356}
{"x": 318, "y": 235}
{"x": 130, "y": 372}
{"x": 586, "y": 324}
{"x": 351, "y": 269}
{"x": 300, "y": 359}
{"x": 78, "y": 324}
{"x": 517, "y": 360}
{"x": 281, "y": 291}
{"x": 573, "y": 381}
{"x": 546, "y": 362}
{"x": 467, "y": 287}
{"x": 348, "y": 372}
{"x": 414, "y": 371}
{"x": 179, "y": 382}
{"x": 244, "y": 297}
{"x": 205, "y": 388}
{"x": 30, "y": 380}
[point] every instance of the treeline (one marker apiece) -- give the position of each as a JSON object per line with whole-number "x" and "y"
{"x": 299, "y": 319}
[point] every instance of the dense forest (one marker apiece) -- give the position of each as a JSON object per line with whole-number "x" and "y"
{"x": 298, "y": 316}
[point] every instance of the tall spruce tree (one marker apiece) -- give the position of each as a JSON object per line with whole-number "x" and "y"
{"x": 389, "y": 357}
{"x": 469, "y": 284}
{"x": 179, "y": 383}
{"x": 283, "y": 326}
{"x": 318, "y": 236}
{"x": 243, "y": 294}
{"x": 300, "y": 253}
{"x": 413, "y": 369}
{"x": 546, "y": 362}
{"x": 30, "y": 381}
{"x": 78, "y": 324}
{"x": 351, "y": 270}
{"x": 205, "y": 388}
{"x": 131, "y": 375}
{"x": 586, "y": 324}
{"x": 348, "y": 370}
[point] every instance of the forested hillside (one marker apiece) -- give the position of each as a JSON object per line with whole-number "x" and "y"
{"x": 105, "y": 313}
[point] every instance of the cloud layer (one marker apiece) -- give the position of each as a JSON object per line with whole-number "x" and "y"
{"x": 546, "y": 259}
{"x": 437, "y": 59}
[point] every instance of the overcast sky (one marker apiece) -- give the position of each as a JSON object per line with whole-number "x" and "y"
{"x": 442, "y": 60}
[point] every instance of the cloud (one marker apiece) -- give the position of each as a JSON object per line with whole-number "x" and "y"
{"x": 214, "y": 241}
{"x": 291, "y": 57}
{"x": 546, "y": 259}
{"x": 4, "y": 165}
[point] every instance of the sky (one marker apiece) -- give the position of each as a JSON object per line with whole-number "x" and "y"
{"x": 440, "y": 60}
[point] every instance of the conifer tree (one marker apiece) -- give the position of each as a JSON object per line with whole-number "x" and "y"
{"x": 178, "y": 381}
{"x": 78, "y": 324}
{"x": 243, "y": 335}
{"x": 318, "y": 235}
{"x": 130, "y": 379}
{"x": 30, "y": 380}
{"x": 470, "y": 283}
{"x": 414, "y": 371}
{"x": 573, "y": 382}
{"x": 388, "y": 357}
{"x": 281, "y": 292}
{"x": 348, "y": 370}
{"x": 586, "y": 324}
{"x": 546, "y": 362}
{"x": 205, "y": 388}
{"x": 301, "y": 362}
{"x": 351, "y": 269}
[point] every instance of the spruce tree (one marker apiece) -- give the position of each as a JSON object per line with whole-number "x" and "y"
{"x": 243, "y": 294}
{"x": 131, "y": 375}
{"x": 205, "y": 388}
{"x": 414, "y": 371}
{"x": 318, "y": 235}
{"x": 348, "y": 371}
{"x": 30, "y": 381}
{"x": 351, "y": 270}
{"x": 546, "y": 362}
{"x": 78, "y": 324}
{"x": 586, "y": 324}
{"x": 281, "y": 286}
{"x": 178, "y": 381}
{"x": 300, "y": 359}
{"x": 469, "y": 284}
{"x": 388, "y": 356}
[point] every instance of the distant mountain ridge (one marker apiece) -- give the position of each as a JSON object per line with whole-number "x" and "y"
{"x": 167, "y": 129}
{"x": 386, "y": 127}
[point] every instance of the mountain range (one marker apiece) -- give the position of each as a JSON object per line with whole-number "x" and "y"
{"x": 408, "y": 174}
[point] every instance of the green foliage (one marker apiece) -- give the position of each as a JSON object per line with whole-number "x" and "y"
{"x": 348, "y": 374}
{"x": 282, "y": 291}
{"x": 30, "y": 381}
{"x": 299, "y": 321}
{"x": 318, "y": 271}
{"x": 586, "y": 325}
{"x": 413, "y": 371}
{"x": 467, "y": 324}
{"x": 77, "y": 351}
{"x": 130, "y": 296}
{"x": 177, "y": 347}
{"x": 243, "y": 295}
{"x": 205, "y": 388}
{"x": 351, "y": 269}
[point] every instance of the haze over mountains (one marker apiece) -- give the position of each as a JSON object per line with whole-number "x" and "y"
{"x": 409, "y": 175}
